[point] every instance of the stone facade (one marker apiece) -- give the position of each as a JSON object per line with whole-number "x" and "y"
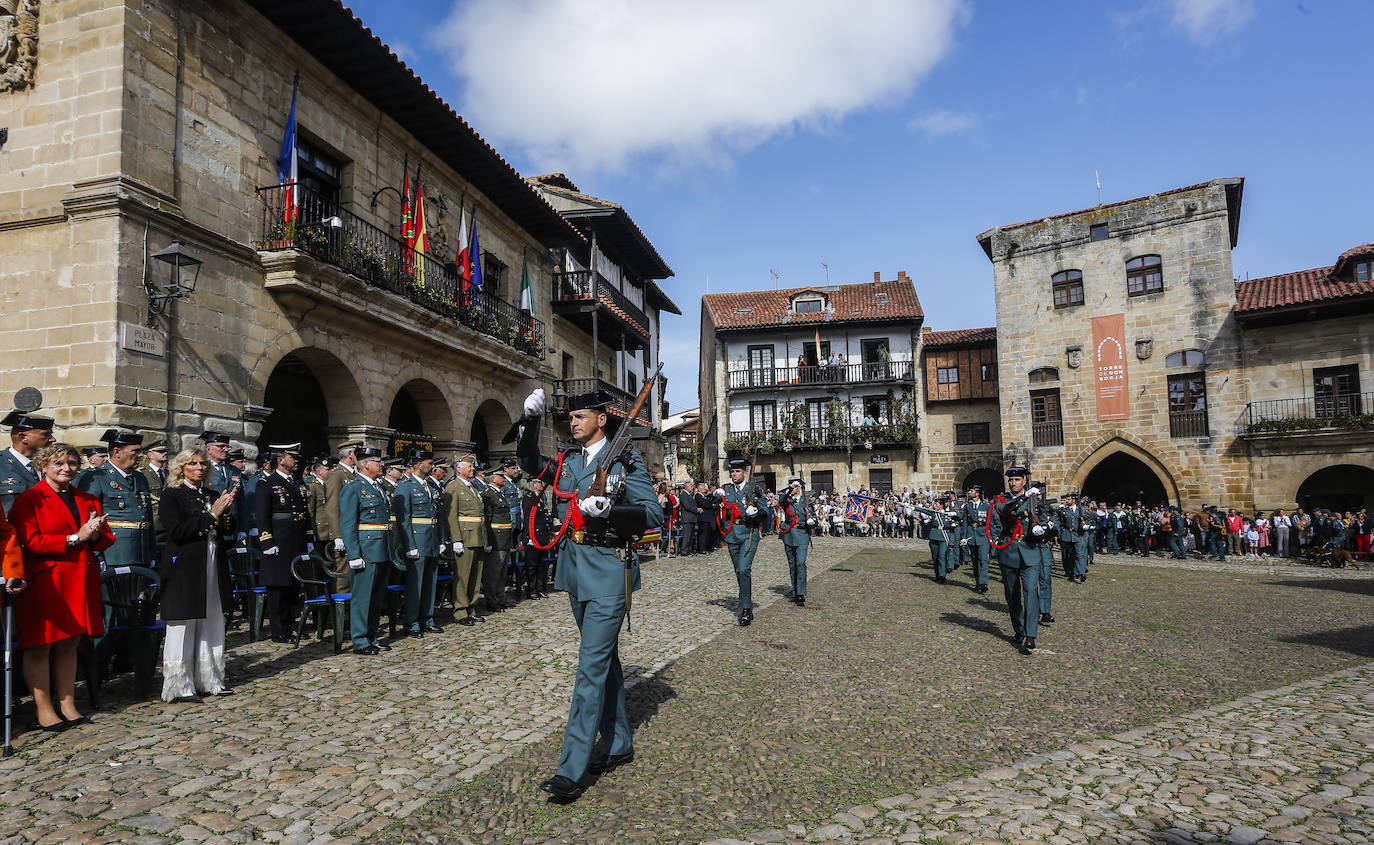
{"x": 154, "y": 121}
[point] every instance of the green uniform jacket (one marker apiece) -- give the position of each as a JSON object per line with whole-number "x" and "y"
{"x": 417, "y": 517}
{"x": 465, "y": 515}
{"x": 1070, "y": 522}
{"x": 496, "y": 512}
{"x": 242, "y": 510}
{"x": 155, "y": 487}
{"x": 801, "y": 509}
{"x": 742, "y": 495}
{"x": 589, "y": 572}
{"x": 1002, "y": 517}
{"x": 15, "y": 478}
{"x": 946, "y": 527}
{"x": 128, "y": 505}
{"x": 365, "y": 522}
{"x": 975, "y": 518}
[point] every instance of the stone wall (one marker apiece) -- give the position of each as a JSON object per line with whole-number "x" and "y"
{"x": 951, "y": 464}
{"x": 1190, "y": 230}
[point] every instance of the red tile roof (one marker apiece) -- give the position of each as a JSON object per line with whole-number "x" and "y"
{"x": 1305, "y": 287}
{"x": 849, "y": 304}
{"x": 961, "y": 337}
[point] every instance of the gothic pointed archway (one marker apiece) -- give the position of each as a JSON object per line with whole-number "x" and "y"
{"x": 1122, "y": 471}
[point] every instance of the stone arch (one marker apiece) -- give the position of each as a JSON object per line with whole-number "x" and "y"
{"x": 1118, "y": 443}
{"x": 310, "y": 390}
{"x": 490, "y": 423}
{"x": 432, "y": 403}
{"x": 1341, "y": 487}
{"x": 332, "y": 362}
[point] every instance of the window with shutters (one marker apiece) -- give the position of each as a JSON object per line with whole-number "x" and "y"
{"x": 1067, "y": 287}
{"x": 1047, "y": 427}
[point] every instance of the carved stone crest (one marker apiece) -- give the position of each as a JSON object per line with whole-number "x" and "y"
{"x": 18, "y": 43}
{"x": 1144, "y": 348}
{"x": 1075, "y": 356}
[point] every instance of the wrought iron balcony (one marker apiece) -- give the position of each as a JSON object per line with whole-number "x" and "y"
{"x": 336, "y": 236}
{"x": 874, "y": 372}
{"x": 619, "y": 319}
{"x": 1311, "y": 414}
{"x": 770, "y": 441}
{"x": 621, "y": 400}
{"x": 1188, "y": 423}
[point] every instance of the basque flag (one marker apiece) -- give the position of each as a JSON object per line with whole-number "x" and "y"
{"x": 286, "y": 162}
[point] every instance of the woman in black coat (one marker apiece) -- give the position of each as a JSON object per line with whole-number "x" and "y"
{"x": 195, "y": 580}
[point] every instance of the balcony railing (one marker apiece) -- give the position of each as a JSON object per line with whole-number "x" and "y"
{"x": 382, "y": 261}
{"x": 1048, "y": 433}
{"x": 822, "y": 437}
{"x": 620, "y": 400}
{"x": 824, "y": 374}
{"x": 1188, "y": 423}
{"x": 1349, "y": 411}
{"x": 576, "y": 285}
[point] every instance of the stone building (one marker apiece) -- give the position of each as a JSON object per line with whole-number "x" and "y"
{"x": 151, "y": 123}
{"x": 963, "y": 428}
{"x": 819, "y": 381}
{"x": 680, "y": 441}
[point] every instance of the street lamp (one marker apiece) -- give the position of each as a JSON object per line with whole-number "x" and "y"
{"x": 183, "y": 273}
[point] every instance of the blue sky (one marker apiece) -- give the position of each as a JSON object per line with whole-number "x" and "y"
{"x": 886, "y": 134}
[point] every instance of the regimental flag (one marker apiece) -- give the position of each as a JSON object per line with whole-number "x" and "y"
{"x": 464, "y": 266}
{"x": 475, "y": 263}
{"x": 407, "y": 221}
{"x": 286, "y": 162}
{"x": 526, "y": 291}
{"x": 420, "y": 243}
{"x": 858, "y": 508}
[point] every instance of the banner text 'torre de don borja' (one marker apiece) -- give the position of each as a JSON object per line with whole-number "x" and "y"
{"x": 1109, "y": 358}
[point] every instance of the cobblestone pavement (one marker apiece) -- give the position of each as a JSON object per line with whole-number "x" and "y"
{"x": 1294, "y": 764}
{"x": 317, "y": 745}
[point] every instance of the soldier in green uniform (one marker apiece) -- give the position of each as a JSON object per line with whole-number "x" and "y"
{"x": 1045, "y": 516}
{"x": 96, "y": 457}
{"x": 391, "y": 475}
{"x": 28, "y": 434}
{"x": 417, "y": 526}
{"x": 510, "y": 468}
{"x": 464, "y": 515}
{"x": 496, "y": 512}
{"x": 365, "y": 525}
{"x": 598, "y": 568}
{"x": 155, "y": 473}
{"x": 795, "y": 521}
{"x": 943, "y": 526}
{"x": 1071, "y": 545}
{"x": 974, "y": 516}
{"x": 125, "y": 500}
{"x": 743, "y": 510}
{"x": 1015, "y": 529}
{"x": 250, "y": 486}
{"x": 220, "y": 476}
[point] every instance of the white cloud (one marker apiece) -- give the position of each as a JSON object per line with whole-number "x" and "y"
{"x": 1206, "y": 20}
{"x": 585, "y": 84}
{"x": 938, "y": 124}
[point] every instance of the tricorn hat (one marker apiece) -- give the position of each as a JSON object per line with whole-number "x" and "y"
{"x": 115, "y": 437}
{"x": 92, "y": 451}
{"x": 366, "y": 452}
{"x": 19, "y": 421}
{"x": 739, "y": 463}
{"x": 1012, "y": 472}
{"x": 208, "y": 437}
{"x": 417, "y": 455}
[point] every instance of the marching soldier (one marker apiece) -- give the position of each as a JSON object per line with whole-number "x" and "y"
{"x": 365, "y": 525}
{"x": 598, "y": 569}
{"x": 28, "y": 434}
{"x": 496, "y": 512}
{"x": 974, "y": 515}
{"x": 1015, "y": 529}
{"x": 155, "y": 473}
{"x": 943, "y": 527}
{"x": 794, "y": 529}
{"x": 125, "y": 500}
{"x": 344, "y": 472}
{"x": 1071, "y": 545}
{"x": 285, "y": 534}
{"x": 417, "y": 527}
{"x": 742, "y": 509}
{"x": 464, "y": 515}
{"x": 1046, "y": 517}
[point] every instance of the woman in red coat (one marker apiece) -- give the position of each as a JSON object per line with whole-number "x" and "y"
{"x": 60, "y": 528}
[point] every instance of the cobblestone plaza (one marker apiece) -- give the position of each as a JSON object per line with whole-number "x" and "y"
{"x": 1227, "y": 702}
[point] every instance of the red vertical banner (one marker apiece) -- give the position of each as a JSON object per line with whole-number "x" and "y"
{"x": 1109, "y": 357}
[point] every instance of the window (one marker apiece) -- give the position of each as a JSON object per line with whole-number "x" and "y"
{"x": 1099, "y": 232}
{"x": 1144, "y": 275}
{"x": 990, "y": 371}
{"x": 815, "y": 412}
{"x": 1043, "y": 375}
{"x": 763, "y": 416}
{"x": 1186, "y": 358}
{"x": 967, "y": 434}
{"x": 761, "y": 366}
{"x": 946, "y": 375}
{"x": 632, "y": 384}
{"x": 1068, "y": 288}
{"x": 1364, "y": 270}
{"x": 1047, "y": 428}
{"x": 493, "y": 271}
{"x": 318, "y": 171}
{"x": 807, "y": 306}
{"x": 1188, "y": 405}
{"x": 875, "y": 359}
{"x": 1337, "y": 390}
{"x": 823, "y": 480}
{"x": 875, "y": 410}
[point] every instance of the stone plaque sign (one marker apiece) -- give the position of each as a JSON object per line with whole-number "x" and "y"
{"x": 137, "y": 338}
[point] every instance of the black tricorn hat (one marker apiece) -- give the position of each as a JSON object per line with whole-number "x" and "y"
{"x": 208, "y": 437}
{"x": 115, "y": 437}
{"x": 92, "y": 451}
{"x": 19, "y": 421}
{"x": 236, "y": 455}
{"x": 417, "y": 455}
{"x": 1018, "y": 470}
{"x": 595, "y": 401}
{"x": 366, "y": 452}
{"x": 739, "y": 463}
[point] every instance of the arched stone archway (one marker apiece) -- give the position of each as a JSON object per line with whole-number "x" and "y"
{"x": 419, "y": 407}
{"x": 991, "y": 480}
{"x": 1136, "y": 472}
{"x": 489, "y": 424}
{"x": 309, "y": 391}
{"x": 1342, "y": 487}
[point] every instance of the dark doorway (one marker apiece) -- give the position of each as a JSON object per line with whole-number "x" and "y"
{"x": 768, "y": 480}
{"x": 405, "y": 414}
{"x": 480, "y": 444}
{"x": 880, "y": 480}
{"x": 989, "y": 479}
{"x": 1343, "y": 487}
{"x": 1122, "y": 478}
{"x": 299, "y": 411}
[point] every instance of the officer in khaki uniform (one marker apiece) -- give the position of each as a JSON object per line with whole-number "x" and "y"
{"x": 125, "y": 500}
{"x": 365, "y": 524}
{"x": 465, "y": 513}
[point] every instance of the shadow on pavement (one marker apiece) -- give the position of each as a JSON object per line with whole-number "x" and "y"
{"x": 1358, "y": 586}
{"x": 1358, "y": 640}
{"x": 989, "y": 604}
{"x": 974, "y": 623}
{"x": 730, "y": 604}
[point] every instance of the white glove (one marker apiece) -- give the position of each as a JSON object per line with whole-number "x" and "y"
{"x": 241, "y": 537}
{"x": 718, "y": 493}
{"x": 356, "y": 564}
{"x": 486, "y": 548}
{"x": 339, "y": 546}
{"x": 535, "y": 403}
{"x": 594, "y": 505}
{"x": 413, "y": 554}
{"x": 253, "y": 533}
{"x": 442, "y": 547}
{"x": 309, "y": 547}
{"x": 751, "y": 511}
{"x": 963, "y": 542}
{"x": 457, "y": 548}
{"x": 272, "y": 552}
{"x": 1038, "y": 530}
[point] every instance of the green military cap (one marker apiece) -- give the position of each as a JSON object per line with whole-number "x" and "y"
{"x": 156, "y": 446}
{"x": 467, "y": 458}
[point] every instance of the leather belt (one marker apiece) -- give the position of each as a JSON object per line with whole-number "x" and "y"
{"x": 369, "y": 526}
{"x": 118, "y": 523}
{"x": 422, "y": 520}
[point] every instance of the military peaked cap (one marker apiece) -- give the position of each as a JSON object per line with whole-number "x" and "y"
{"x": 19, "y": 421}
{"x": 92, "y": 451}
{"x": 292, "y": 449}
{"x": 595, "y": 401}
{"x": 366, "y": 452}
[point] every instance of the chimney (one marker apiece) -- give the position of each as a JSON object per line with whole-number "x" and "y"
{"x": 877, "y": 276}
{"x": 901, "y": 276}
{"x": 927, "y": 329}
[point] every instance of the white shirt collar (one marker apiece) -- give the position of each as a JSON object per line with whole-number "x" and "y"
{"x": 595, "y": 449}
{"x": 23, "y": 461}
{"x": 464, "y": 480}
{"x": 122, "y": 473}
{"x": 349, "y": 468}
{"x": 284, "y": 475}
